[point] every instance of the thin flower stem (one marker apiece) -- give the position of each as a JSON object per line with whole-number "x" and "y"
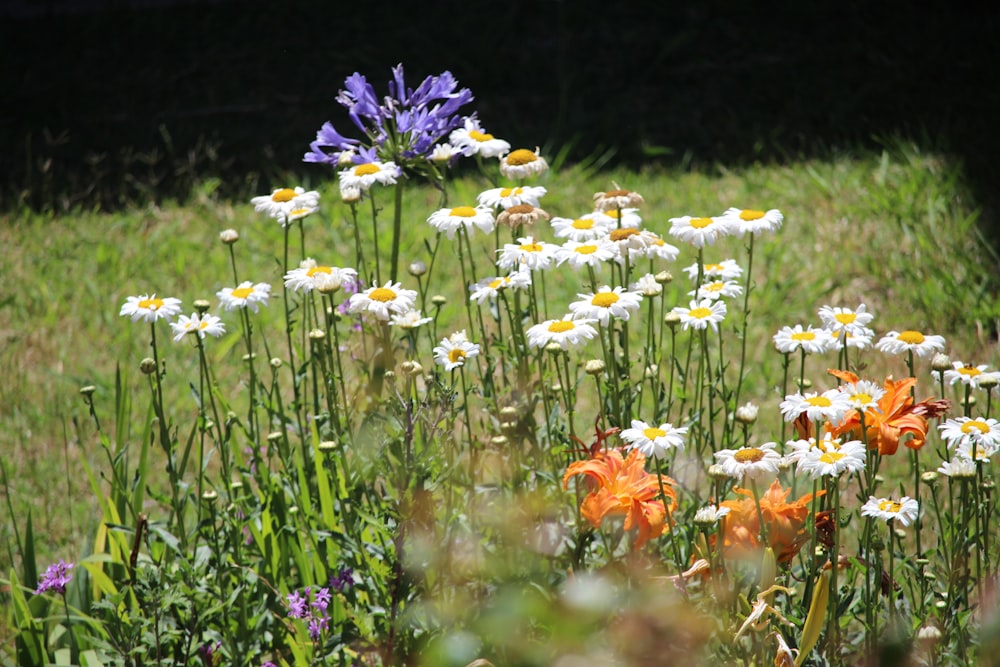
{"x": 746, "y": 317}
{"x": 397, "y": 229}
{"x": 378, "y": 261}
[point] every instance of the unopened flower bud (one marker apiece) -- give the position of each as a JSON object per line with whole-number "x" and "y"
{"x": 209, "y": 496}
{"x": 747, "y": 414}
{"x": 350, "y": 194}
{"x": 147, "y": 366}
{"x": 594, "y": 367}
{"x": 390, "y": 375}
{"x": 929, "y": 634}
{"x": 507, "y": 413}
{"x": 717, "y": 472}
{"x": 556, "y": 388}
{"x": 651, "y": 371}
{"x": 663, "y": 277}
{"x": 439, "y": 300}
{"x": 929, "y": 477}
{"x": 988, "y": 381}
{"x": 499, "y": 440}
{"x": 672, "y": 319}
{"x": 970, "y": 401}
{"x": 553, "y": 348}
{"x": 940, "y": 363}
{"x": 327, "y": 445}
{"x": 229, "y": 236}
{"x": 804, "y": 384}
{"x": 88, "y": 390}
{"x": 411, "y": 368}
{"x": 417, "y": 269}
{"x": 275, "y": 362}
{"x": 248, "y": 357}
{"x": 317, "y": 334}
{"x": 275, "y": 436}
{"x": 201, "y": 306}
{"x": 236, "y": 485}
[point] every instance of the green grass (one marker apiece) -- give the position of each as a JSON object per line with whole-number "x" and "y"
{"x": 896, "y": 231}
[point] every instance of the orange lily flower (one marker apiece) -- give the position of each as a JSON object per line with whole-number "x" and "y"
{"x": 623, "y": 487}
{"x": 896, "y": 416}
{"x": 785, "y": 522}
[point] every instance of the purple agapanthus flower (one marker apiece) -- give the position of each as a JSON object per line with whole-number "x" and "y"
{"x": 406, "y": 125}
{"x": 55, "y": 578}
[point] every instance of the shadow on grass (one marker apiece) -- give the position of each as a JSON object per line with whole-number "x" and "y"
{"x": 111, "y": 107}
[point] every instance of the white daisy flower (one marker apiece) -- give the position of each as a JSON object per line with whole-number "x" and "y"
{"x": 976, "y": 449}
{"x": 654, "y": 440}
{"x": 585, "y": 253}
{"x": 839, "y": 319}
{"x": 831, "y": 406}
{"x": 959, "y": 467}
{"x": 522, "y": 163}
{"x": 903, "y": 510}
{"x": 863, "y": 394}
{"x": 149, "y": 308}
{"x": 967, "y": 374}
{"x": 528, "y": 253}
{"x": 629, "y": 217}
{"x": 753, "y": 221}
{"x": 654, "y": 248}
{"x": 710, "y": 515}
{"x": 605, "y": 304}
{"x": 444, "y": 152}
{"x": 859, "y": 339}
{"x": 507, "y": 197}
{"x": 700, "y": 231}
{"x": 383, "y": 301}
{"x": 830, "y": 458}
{"x": 565, "y": 332}
{"x": 452, "y": 354}
{"x": 647, "y": 286}
{"x": 315, "y": 276}
{"x": 286, "y": 204}
{"x": 727, "y": 269}
{"x": 363, "y": 176}
{"x": 813, "y": 341}
{"x": 450, "y": 220}
{"x": 472, "y": 140}
{"x": 488, "y": 289}
{"x": 200, "y": 324}
{"x": 984, "y": 432}
{"x": 751, "y": 463}
{"x": 898, "y": 342}
{"x": 410, "y": 319}
{"x": 585, "y": 228}
{"x": 702, "y": 313}
{"x": 245, "y": 295}
{"x": 718, "y": 289}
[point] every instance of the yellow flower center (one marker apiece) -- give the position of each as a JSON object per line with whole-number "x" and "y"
{"x": 455, "y": 355}
{"x": 507, "y": 192}
{"x": 975, "y": 425}
{"x": 319, "y": 269}
{"x": 494, "y": 284}
{"x": 583, "y": 223}
{"x": 586, "y": 249}
{"x": 604, "y": 299}
{"x": 521, "y": 156}
{"x": 751, "y": 214}
{"x": 971, "y": 371}
{"x": 480, "y": 136}
{"x": 561, "y": 326}
{"x": 616, "y": 193}
{"x": 890, "y": 506}
{"x": 242, "y": 292}
{"x": 911, "y": 337}
{"x": 714, "y": 287}
{"x": 283, "y": 195}
{"x": 749, "y": 455}
{"x": 622, "y": 234}
{"x": 366, "y": 169}
{"x": 861, "y": 399}
{"x": 151, "y": 304}
{"x": 819, "y": 401}
{"x": 531, "y": 247}
{"x": 700, "y": 223}
{"x": 463, "y": 212}
{"x": 700, "y": 313}
{"x": 203, "y": 325}
{"x": 831, "y": 457}
{"x": 653, "y": 433}
{"x": 804, "y": 335}
{"x": 521, "y": 209}
{"x": 845, "y": 318}
{"x": 612, "y": 214}
{"x": 382, "y": 294}
{"x": 299, "y": 212}
{"x": 713, "y": 267}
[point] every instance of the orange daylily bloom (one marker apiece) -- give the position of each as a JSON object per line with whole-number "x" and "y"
{"x": 623, "y": 487}
{"x": 785, "y": 522}
{"x": 896, "y": 416}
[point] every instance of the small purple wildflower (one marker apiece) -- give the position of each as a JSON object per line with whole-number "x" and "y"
{"x": 317, "y": 625}
{"x": 297, "y": 604}
{"x": 321, "y": 600}
{"x": 55, "y": 578}
{"x": 311, "y": 607}
{"x": 210, "y": 653}
{"x": 343, "y": 580}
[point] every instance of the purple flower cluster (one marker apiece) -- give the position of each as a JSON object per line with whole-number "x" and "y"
{"x": 407, "y": 124}
{"x": 210, "y": 654}
{"x": 56, "y": 577}
{"x": 312, "y": 608}
{"x": 343, "y": 580}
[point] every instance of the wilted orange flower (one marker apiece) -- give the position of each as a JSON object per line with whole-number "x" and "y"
{"x": 895, "y": 416}
{"x": 623, "y": 487}
{"x": 785, "y": 522}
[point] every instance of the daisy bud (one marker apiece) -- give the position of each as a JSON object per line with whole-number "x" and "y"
{"x": 988, "y": 381}
{"x": 988, "y": 485}
{"x": 209, "y": 496}
{"x": 672, "y": 319}
{"x": 930, "y": 576}
{"x": 317, "y": 334}
{"x": 971, "y": 400}
{"x": 208, "y": 426}
{"x": 805, "y": 383}
{"x": 553, "y": 348}
{"x": 508, "y": 427}
{"x": 508, "y": 413}
{"x": 663, "y": 277}
{"x": 746, "y": 414}
{"x": 594, "y": 367}
{"x": 717, "y": 472}
{"x": 247, "y": 357}
{"x": 651, "y": 371}
{"x": 350, "y": 194}
{"x": 929, "y": 635}
{"x": 88, "y": 390}
{"x": 236, "y": 485}
{"x": 346, "y": 158}
{"x": 439, "y": 300}
{"x": 411, "y": 368}
{"x": 294, "y": 509}
{"x": 201, "y": 306}
{"x": 147, "y": 366}
{"x": 275, "y": 362}
{"x": 417, "y": 269}
{"x": 327, "y": 445}
{"x": 499, "y": 440}
{"x": 940, "y": 363}
{"x": 941, "y": 604}
{"x": 390, "y": 375}
{"x": 275, "y": 436}
{"x": 930, "y": 477}
{"x": 229, "y": 236}
{"x": 556, "y": 388}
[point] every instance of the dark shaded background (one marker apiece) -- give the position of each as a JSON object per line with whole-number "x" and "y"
{"x": 117, "y": 103}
